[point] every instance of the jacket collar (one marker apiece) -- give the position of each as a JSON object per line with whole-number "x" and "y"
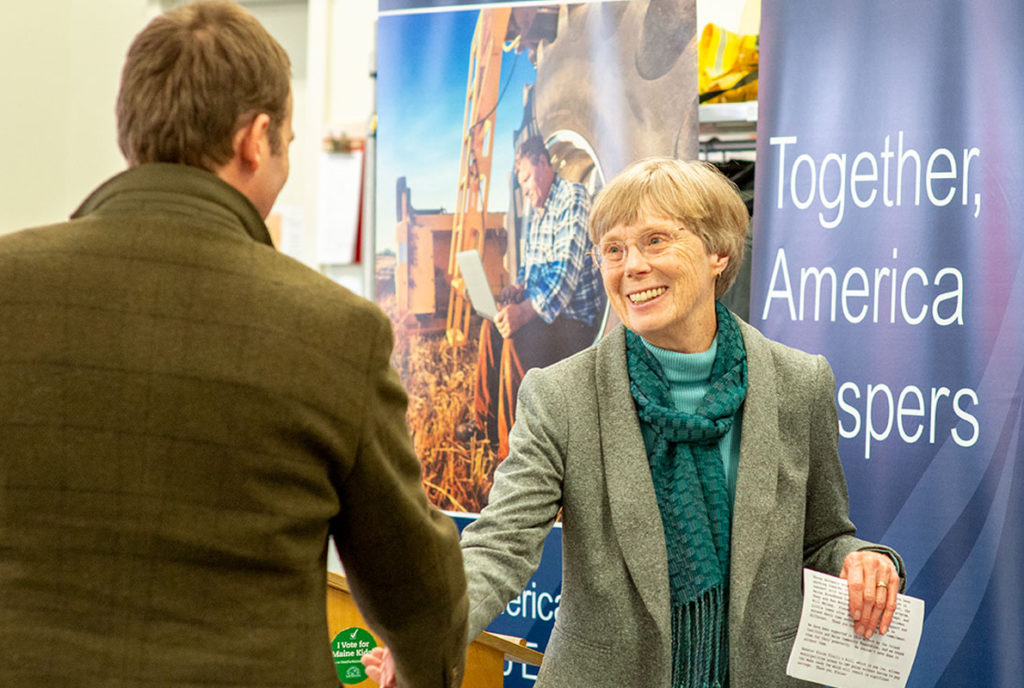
{"x": 758, "y": 474}
{"x": 141, "y": 187}
{"x": 633, "y": 504}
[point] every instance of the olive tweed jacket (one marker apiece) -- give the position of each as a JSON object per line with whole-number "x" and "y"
{"x": 186, "y": 414}
{"x": 576, "y": 446}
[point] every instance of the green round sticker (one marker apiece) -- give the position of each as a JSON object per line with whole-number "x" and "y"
{"x": 348, "y": 648}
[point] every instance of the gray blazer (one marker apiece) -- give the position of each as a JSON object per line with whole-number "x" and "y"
{"x": 576, "y": 446}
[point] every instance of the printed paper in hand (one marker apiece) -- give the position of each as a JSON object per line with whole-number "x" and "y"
{"x": 827, "y": 651}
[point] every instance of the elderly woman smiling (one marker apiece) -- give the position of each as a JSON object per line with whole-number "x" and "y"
{"x": 693, "y": 459}
{"x": 694, "y": 462}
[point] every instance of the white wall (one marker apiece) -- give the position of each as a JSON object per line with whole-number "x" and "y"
{"x": 60, "y": 63}
{"x": 351, "y": 56}
{"x": 739, "y": 16}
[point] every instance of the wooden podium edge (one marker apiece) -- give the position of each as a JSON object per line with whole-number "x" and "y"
{"x": 513, "y": 648}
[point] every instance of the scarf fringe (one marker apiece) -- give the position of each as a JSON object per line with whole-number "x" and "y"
{"x": 701, "y": 648}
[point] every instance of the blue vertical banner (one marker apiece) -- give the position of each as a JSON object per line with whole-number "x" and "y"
{"x": 890, "y": 188}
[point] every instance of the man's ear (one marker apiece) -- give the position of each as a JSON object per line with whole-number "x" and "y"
{"x": 251, "y": 142}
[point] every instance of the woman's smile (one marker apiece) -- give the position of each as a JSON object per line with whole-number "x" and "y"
{"x": 646, "y": 295}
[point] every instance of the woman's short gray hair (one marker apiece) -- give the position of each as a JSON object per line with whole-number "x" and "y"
{"x": 691, "y": 192}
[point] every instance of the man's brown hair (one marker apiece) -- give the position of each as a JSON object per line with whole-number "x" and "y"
{"x": 533, "y": 149}
{"x": 193, "y": 77}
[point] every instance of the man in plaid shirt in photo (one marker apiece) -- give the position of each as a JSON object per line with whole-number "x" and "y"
{"x": 556, "y": 305}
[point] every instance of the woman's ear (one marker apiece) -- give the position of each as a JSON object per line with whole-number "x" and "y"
{"x": 718, "y": 263}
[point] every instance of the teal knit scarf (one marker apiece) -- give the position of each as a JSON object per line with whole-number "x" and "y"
{"x": 693, "y": 498}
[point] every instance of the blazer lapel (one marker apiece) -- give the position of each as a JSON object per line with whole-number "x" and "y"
{"x": 634, "y": 507}
{"x": 758, "y": 473}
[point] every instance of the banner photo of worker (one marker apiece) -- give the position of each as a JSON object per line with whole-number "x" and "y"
{"x": 496, "y": 127}
{"x": 497, "y": 124}
{"x": 886, "y": 238}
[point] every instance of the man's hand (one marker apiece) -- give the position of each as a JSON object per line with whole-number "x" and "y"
{"x": 380, "y": 667}
{"x": 874, "y": 583}
{"x": 511, "y": 318}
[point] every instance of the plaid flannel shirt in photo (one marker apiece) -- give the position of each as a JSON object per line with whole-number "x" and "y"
{"x": 558, "y": 275}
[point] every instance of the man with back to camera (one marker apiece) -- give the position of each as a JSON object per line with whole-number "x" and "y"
{"x": 187, "y": 414}
{"x": 555, "y": 306}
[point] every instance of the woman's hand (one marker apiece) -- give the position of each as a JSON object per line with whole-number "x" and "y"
{"x": 874, "y": 583}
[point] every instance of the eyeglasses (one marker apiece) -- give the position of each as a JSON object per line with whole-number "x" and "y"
{"x": 650, "y": 244}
